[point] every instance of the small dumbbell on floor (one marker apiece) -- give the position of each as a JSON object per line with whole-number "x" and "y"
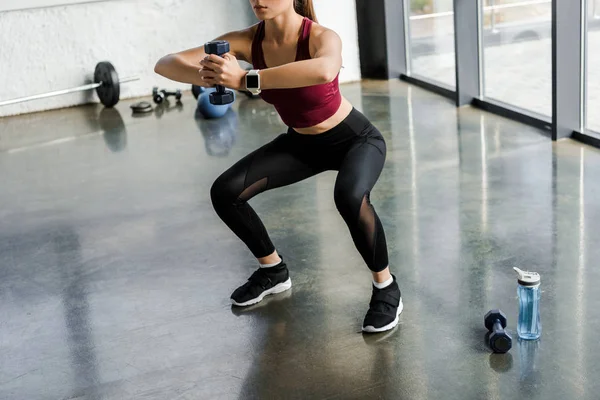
{"x": 495, "y": 322}
{"x": 160, "y": 95}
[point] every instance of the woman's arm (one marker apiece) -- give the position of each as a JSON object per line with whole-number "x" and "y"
{"x": 184, "y": 66}
{"x": 322, "y": 68}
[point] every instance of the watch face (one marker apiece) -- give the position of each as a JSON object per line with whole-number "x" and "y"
{"x": 252, "y": 81}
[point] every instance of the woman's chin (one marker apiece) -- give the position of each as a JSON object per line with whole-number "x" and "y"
{"x": 261, "y": 13}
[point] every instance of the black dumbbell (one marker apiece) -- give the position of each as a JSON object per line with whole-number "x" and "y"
{"x": 197, "y": 91}
{"x": 160, "y": 96}
{"x": 495, "y": 322}
{"x": 221, "y": 96}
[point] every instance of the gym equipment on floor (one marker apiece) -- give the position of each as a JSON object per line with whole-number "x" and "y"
{"x": 141, "y": 107}
{"x": 197, "y": 91}
{"x": 210, "y": 110}
{"x": 495, "y": 322}
{"x": 160, "y": 95}
{"x": 106, "y": 83}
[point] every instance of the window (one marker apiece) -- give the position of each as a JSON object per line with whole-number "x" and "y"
{"x": 517, "y": 53}
{"x": 431, "y": 27}
{"x": 592, "y": 87}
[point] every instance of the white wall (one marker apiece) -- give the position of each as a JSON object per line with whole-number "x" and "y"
{"x": 340, "y": 15}
{"x": 53, "y": 48}
{"x": 23, "y": 4}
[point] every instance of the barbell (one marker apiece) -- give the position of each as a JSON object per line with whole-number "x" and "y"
{"x": 106, "y": 83}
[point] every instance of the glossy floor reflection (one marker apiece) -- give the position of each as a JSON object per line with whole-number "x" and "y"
{"x": 115, "y": 272}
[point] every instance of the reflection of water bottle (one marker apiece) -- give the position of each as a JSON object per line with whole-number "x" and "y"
{"x": 529, "y": 325}
{"x": 528, "y": 350}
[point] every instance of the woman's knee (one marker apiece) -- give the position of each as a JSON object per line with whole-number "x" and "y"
{"x": 223, "y": 190}
{"x": 348, "y": 200}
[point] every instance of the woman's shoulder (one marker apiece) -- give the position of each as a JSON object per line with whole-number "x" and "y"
{"x": 322, "y": 32}
{"x": 240, "y": 41}
{"x": 244, "y": 33}
{"x": 321, "y": 35}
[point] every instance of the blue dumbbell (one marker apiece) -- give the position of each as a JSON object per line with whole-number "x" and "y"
{"x": 221, "y": 96}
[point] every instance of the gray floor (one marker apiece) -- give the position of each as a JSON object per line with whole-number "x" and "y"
{"x": 116, "y": 273}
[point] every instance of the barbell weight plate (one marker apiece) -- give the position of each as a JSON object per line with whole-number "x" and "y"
{"x": 141, "y": 107}
{"x": 110, "y": 90}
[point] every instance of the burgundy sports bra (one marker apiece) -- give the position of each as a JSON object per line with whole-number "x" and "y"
{"x": 298, "y": 107}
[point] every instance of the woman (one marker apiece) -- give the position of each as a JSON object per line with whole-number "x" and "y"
{"x": 296, "y": 64}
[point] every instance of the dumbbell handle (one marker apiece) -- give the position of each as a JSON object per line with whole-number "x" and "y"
{"x": 497, "y": 326}
{"x": 217, "y": 48}
{"x": 220, "y": 88}
{"x": 221, "y": 95}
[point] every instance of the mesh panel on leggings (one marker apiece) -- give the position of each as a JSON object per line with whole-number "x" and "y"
{"x": 253, "y": 190}
{"x": 366, "y": 220}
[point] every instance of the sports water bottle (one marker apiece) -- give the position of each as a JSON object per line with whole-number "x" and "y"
{"x": 529, "y": 325}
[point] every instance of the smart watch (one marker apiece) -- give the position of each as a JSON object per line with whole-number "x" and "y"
{"x": 253, "y": 81}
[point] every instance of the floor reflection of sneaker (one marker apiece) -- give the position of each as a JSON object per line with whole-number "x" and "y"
{"x": 384, "y": 309}
{"x": 263, "y": 282}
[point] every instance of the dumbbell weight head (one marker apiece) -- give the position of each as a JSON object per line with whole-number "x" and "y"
{"x": 218, "y": 47}
{"x": 221, "y": 97}
{"x": 160, "y": 95}
{"x": 208, "y": 109}
{"x": 492, "y": 316}
{"x": 157, "y": 96}
{"x": 499, "y": 340}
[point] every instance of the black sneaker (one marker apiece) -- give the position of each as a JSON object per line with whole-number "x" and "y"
{"x": 262, "y": 282}
{"x": 384, "y": 309}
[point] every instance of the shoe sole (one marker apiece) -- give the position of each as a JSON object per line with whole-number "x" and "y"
{"x": 280, "y": 287}
{"x": 391, "y": 325}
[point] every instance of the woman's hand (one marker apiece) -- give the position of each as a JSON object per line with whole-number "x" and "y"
{"x": 223, "y": 71}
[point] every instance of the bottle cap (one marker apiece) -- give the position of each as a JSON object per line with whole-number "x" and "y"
{"x": 527, "y": 278}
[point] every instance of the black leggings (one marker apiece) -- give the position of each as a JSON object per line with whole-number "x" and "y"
{"x": 355, "y": 148}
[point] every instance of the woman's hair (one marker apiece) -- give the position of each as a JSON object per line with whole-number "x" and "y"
{"x": 306, "y": 9}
